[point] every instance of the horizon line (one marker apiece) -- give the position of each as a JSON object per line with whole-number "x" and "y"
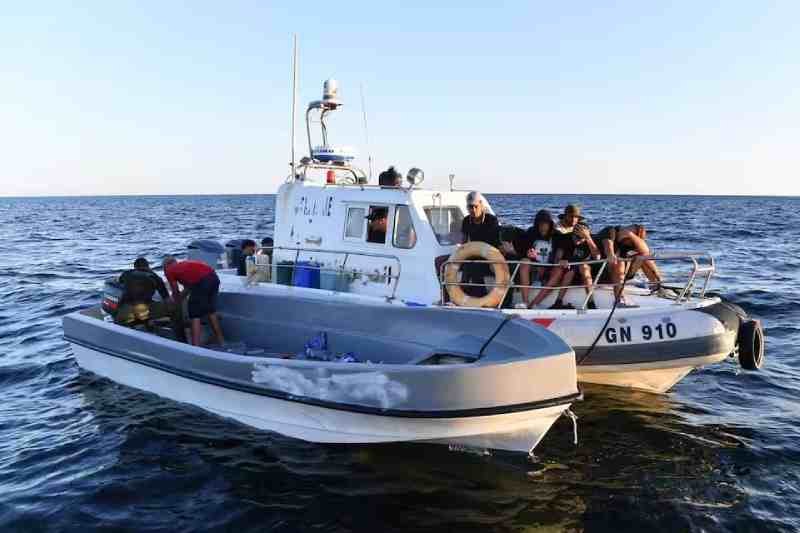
{"x": 145, "y": 195}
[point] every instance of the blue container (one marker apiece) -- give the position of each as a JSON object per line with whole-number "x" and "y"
{"x": 306, "y": 274}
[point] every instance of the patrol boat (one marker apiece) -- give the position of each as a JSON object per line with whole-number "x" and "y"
{"x": 340, "y": 238}
{"x": 380, "y": 373}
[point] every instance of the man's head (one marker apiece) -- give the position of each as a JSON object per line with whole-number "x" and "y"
{"x": 543, "y": 222}
{"x": 639, "y": 231}
{"x": 571, "y": 216}
{"x": 248, "y": 247}
{"x": 168, "y": 260}
{"x": 579, "y": 233}
{"x": 390, "y": 178}
{"x": 475, "y": 204}
{"x": 141, "y": 264}
{"x": 377, "y": 219}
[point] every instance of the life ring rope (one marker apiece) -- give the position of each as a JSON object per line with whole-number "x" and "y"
{"x": 499, "y": 267}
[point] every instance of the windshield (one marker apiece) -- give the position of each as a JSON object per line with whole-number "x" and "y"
{"x": 446, "y": 223}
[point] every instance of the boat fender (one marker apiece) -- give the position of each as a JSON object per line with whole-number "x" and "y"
{"x": 751, "y": 345}
{"x": 485, "y": 251}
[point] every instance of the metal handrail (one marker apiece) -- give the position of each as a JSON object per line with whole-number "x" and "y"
{"x": 394, "y": 277}
{"x": 685, "y": 294}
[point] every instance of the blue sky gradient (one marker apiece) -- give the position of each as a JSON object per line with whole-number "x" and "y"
{"x": 529, "y": 97}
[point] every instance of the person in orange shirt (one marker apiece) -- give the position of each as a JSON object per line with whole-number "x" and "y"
{"x": 201, "y": 282}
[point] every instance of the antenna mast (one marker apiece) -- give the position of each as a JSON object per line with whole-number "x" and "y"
{"x": 294, "y": 99}
{"x": 366, "y": 130}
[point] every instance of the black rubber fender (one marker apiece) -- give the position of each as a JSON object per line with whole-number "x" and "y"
{"x": 751, "y": 345}
{"x": 727, "y": 314}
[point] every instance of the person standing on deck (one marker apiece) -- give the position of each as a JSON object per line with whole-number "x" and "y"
{"x": 478, "y": 226}
{"x": 248, "y": 249}
{"x": 201, "y": 282}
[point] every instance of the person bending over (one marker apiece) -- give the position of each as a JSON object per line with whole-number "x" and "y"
{"x": 623, "y": 242}
{"x": 136, "y": 304}
{"x": 201, "y": 283}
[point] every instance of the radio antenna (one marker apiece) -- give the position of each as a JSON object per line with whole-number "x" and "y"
{"x": 294, "y": 100}
{"x": 366, "y": 130}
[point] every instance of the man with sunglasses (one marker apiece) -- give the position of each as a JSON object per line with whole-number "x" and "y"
{"x": 478, "y": 226}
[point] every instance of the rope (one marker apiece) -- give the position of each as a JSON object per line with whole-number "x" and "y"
{"x": 608, "y": 320}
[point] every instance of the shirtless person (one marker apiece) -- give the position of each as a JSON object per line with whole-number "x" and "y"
{"x": 622, "y": 242}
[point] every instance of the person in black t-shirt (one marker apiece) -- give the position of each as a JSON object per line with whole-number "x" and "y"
{"x": 478, "y": 226}
{"x": 536, "y": 247}
{"x": 583, "y": 248}
{"x": 137, "y": 305}
{"x": 248, "y": 249}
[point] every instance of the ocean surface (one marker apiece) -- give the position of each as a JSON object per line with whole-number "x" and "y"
{"x": 721, "y": 452}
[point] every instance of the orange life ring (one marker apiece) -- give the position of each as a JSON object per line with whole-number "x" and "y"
{"x": 499, "y": 267}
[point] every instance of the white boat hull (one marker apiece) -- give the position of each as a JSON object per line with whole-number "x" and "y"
{"x": 650, "y": 377}
{"x": 519, "y": 431}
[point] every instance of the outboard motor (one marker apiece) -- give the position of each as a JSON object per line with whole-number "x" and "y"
{"x": 112, "y": 296}
{"x": 206, "y": 250}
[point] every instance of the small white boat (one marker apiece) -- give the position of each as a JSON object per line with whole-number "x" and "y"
{"x": 430, "y": 375}
{"x": 323, "y": 220}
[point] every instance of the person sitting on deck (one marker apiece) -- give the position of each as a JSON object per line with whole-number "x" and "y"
{"x": 248, "y": 249}
{"x": 537, "y": 247}
{"x": 478, "y": 226}
{"x": 137, "y": 305}
{"x": 583, "y": 249}
{"x": 623, "y": 242}
{"x": 562, "y": 250}
{"x": 200, "y": 281}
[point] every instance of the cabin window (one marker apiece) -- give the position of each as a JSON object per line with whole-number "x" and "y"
{"x": 377, "y": 221}
{"x": 446, "y": 223}
{"x": 355, "y": 223}
{"x": 404, "y": 234}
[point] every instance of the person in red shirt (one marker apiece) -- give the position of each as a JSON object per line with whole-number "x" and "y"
{"x": 201, "y": 282}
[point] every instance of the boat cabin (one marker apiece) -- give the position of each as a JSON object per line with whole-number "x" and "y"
{"x": 371, "y": 234}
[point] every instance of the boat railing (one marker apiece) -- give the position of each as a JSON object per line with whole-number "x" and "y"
{"x": 390, "y": 275}
{"x": 702, "y": 264}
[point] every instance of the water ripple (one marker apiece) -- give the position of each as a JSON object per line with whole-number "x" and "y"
{"x": 78, "y": 452}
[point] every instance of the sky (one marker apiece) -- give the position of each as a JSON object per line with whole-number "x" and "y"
{"x": 141, "y": 97}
